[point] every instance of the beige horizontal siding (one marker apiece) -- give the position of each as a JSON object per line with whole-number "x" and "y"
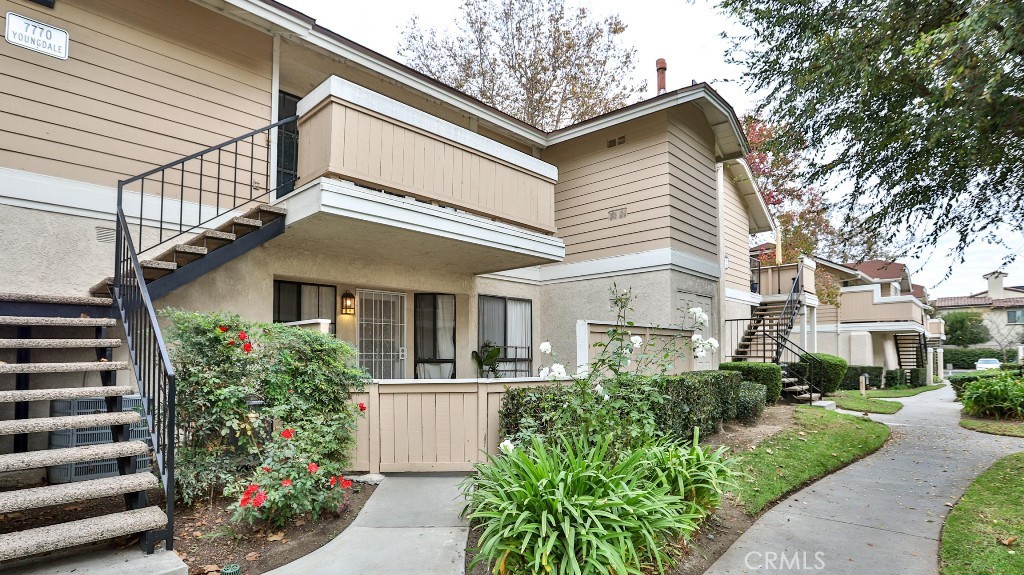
{"x": 828, "y": 314}
{"x": 595, "y": 179}
{"x": 735, "y": 235}
{"x": 145, "y": 83}
{"x": 694, "y": 183}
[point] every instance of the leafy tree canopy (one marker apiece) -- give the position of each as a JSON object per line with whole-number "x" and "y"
{"x": 540, "y": 61}
{"x": 919, "y": 104}
{"x": 965, "y": 328}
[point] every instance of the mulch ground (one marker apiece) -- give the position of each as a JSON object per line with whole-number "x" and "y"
{"x": 720, "y": 530}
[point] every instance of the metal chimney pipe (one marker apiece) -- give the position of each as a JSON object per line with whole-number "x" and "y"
{"x": 662, "y": 66}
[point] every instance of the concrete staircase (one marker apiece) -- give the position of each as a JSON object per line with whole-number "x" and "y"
{"x": 760, "y": 343}
{"x": 185, "y": 261}
{"x": 58, "y": 354}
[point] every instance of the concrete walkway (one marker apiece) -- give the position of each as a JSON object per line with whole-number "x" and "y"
{"x": 410, "y": 524}
{"x": 882, "y": 515}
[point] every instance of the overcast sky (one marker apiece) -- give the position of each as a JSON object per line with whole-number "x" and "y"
{"x": 688, "y": 36}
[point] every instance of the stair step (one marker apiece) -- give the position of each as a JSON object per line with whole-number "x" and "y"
{"x": 70, "y": 367}
{"x": 57, "y": 343}
{"x": 43, "y": 539}
{"x": 39, "y": 424}
{"x": 182, "y": 254}
{"x": 56, "y": 299}
{"x": 61, "y": 456}
{"x": 808, "y": 396}
{"x": 240, "y": 226}
{"x": 212, "y": 239}
{"x": 795, "y": 388}
{"x": 58, "y": 321}
{"x": 154, "y": 269}
{"x": 265, "y": 213}
{"x": 66, "y": 393}
{"x": 103, "y": 287}
{"x": 65, "y": 493}
{"x": 790, "y": 380}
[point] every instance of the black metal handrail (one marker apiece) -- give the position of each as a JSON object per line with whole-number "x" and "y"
{"x": 226, "y": 182}
{"x": 150, "y": 361}
{"x": 214, "y": 181}
{"x": 792, "y": 306}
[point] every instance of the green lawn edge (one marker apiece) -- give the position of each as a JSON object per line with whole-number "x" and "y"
{"x": 822, "y": 442}
{"x": 890, "y": 393}
{"x": 1011, "y": 428}
{"x": 870, "y": 405}
{"x": 988, "y": 513}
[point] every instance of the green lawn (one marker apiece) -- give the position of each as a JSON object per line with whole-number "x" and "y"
{"x": 894, "y": 392}
{"x": 858, "y": 403}
{"x": 981, "y": 532}
{"x": 822, "y": 442}
{"x": 1013, "y": 428}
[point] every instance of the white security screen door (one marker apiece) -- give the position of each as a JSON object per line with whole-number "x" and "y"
{"x": 382, "y": 333}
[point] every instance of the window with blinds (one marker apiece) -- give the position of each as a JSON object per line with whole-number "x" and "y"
{"x": 507, "y": 323}
{"x": 295, "y": 301}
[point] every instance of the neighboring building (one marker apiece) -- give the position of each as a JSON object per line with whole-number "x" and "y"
{"x": 400, "y": 214}
{"x": 1001, "y": 307}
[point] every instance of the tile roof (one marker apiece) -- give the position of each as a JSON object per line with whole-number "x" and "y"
{"x": 918, "y": 291}
{"x": 963, "y": 301}
{"x": 1008, "y": 302}
{"x": 879, "y": 269}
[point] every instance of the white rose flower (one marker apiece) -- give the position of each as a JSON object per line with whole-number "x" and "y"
{"x": 699, "y": 352}
{"x": 713, "y": 343}
{"x": 698, "y": 339}
{"x": 606, "y": 397}
{"x": 545, "y": 347}
{"x": 544, "y": 372}
{"x": 637, "y": 341}
{"x": 507, "y": 447}
{"x": 598, "y": 389}
{"x": 557, "y": 370}
{"x": 694, "y": 312}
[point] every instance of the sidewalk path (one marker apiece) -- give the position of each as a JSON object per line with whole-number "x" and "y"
{"x": 410, "y": 524}
{"x": 882, "y": 515}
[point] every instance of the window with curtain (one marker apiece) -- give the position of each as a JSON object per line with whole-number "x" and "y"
{"x": 294, "y": 301}
{"x": 435, "y": 336}
{"x": 508, "y": 324}
{"x": 1015, "y": 316}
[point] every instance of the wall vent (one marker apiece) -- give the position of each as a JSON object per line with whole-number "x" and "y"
{"x": 105, "y": 235}
{"x": 616, "y": 141}
{"x": 617, "y": 214}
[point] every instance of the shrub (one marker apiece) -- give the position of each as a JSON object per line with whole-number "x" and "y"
{"x": 751, "y": 402}
{"x": 918, "y": 377}
{"x": 852, "y": 378}
{"x": 693, "y": 400}
{"x": 831, "y": 373}
{"x": 999, "y": 397}
{"x": 574, "y": 507}
{"x": 895, "y": 378}
{"x": 960, "y": 381}
{"x": 966, "y": 358}
{"x": 235, "y": 379}
{"x": 1012, "y": 366}
{"x": 767, "y": 374}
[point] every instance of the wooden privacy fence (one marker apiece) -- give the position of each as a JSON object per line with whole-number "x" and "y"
{"x": 430, "y": 425}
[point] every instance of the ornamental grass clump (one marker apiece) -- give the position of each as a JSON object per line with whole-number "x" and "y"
{"x": 572, "y": 507}
{"x": 1001, "y": 397}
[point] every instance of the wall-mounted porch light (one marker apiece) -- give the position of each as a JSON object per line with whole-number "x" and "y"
{"x": 348, "y": 303}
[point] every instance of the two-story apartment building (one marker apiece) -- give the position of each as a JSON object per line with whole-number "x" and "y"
{"x": 236, "y": 156}
{"x": 1000, "y": 306}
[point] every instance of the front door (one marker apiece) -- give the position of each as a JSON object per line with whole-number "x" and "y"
{"x": 381, "y": 317}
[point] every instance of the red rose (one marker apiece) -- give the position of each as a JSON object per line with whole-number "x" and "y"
{"x": 247, "y": 347}
{"x": 288, "y": 433}
{"x": 313, "y": 468}
{"x": 231, "y": 342}
{"x": 244, "y": 502}
{"x": 266, "y": 469}
{"x": 346, "y": 483}
{"x": 333, "y": 481}
{"x": 252, "y": 489}
{"x": 259, "y": 499}
{"x": 222, "y": 329}
{"x": 286, "y": 483}
{"x": 362, "y": 406}
{"x": 242, "y": 336}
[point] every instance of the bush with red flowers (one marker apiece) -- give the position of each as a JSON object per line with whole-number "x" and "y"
{"x": 262, "y": 405}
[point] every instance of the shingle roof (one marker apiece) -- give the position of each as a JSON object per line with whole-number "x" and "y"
{"x": 963, "y": 301}
{"x": 879, "y": 269}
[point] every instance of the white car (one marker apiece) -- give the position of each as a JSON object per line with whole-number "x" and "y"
{"x": 987, "y": 363}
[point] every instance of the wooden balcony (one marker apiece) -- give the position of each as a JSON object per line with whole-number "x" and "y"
{"x": 352, "y": 133}
{"x": 865, "y": 304}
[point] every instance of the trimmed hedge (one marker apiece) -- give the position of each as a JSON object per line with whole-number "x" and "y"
{"x": 767, "y": 374}
{"x": 895, "y": 378}
{"x": 961, "y": 380}
{"x": 751, "y": 402}
{"x": 697, "y": 399}
{"x": 966, "y": 358}
{"x": 853, "y": 373}
{"x": 831, "y": 376}
{"x": 918, "y": 377}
